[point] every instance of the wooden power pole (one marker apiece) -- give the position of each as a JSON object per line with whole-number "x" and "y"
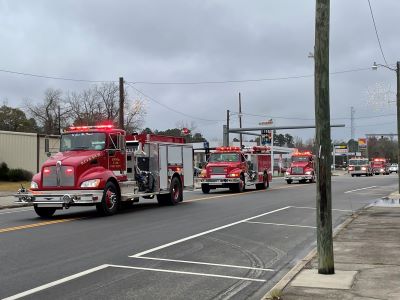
{"x": 240, "y": 121}
{"x": 323, "y": 139}
{"x": 121, "y": 103}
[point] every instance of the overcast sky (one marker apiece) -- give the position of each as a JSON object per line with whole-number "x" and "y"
{"x": 202, "y": 41}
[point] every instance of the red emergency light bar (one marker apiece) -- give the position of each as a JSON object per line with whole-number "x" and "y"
{"x": 379, "y": 159}
{"x": 227, "y": 149}
{"x": 261, "y": 149}
{"x": 83, "y": 128}
{"x": 305, "y": 153}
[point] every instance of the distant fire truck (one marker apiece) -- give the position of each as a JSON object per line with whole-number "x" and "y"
{"x": 104, "y": 167}
{"x": 380, "y": 166}
{"x": 359, "y": 166}
{"x": 301, "y": 169}
{"x": 230, "y": 167}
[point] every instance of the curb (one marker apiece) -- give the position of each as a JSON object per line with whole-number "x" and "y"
{"x": 14, "y": 206}
{"x": 302, "y": 263}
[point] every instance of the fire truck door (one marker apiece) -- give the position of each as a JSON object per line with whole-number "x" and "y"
{"x": 116, "y": 152}
{"x": 188, "y": 167}
{"x": 163, "y": 165}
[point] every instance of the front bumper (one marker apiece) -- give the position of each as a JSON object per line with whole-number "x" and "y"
{"x": 219, "y": 181}
{"x": 298, "y": 177}
{"x": 60, "y": 199}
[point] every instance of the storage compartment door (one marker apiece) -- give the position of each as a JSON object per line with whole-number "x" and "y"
{"x": 163, "y": 167}
{"x": 188, "y": 167}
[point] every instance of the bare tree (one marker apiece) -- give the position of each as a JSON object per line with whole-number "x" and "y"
{"x": 135, "y": 111}
{"x": 108, "y": 93}
{"x": 52, "y": 113}
{"x": 85, "y": 107}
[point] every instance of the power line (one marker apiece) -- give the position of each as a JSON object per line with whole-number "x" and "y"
{"x": 177, "y": 83}
{"x": 168, "y": 107}
{"x": 312, "y": 119}
{"x": 54, "y": 77}
{"x": 376, "y": 31}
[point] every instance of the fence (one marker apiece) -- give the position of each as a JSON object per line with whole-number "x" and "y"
{"x": 25, "y": 150}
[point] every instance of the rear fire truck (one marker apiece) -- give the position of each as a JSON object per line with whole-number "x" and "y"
{"x": 380, "y": 166}
{"x": 229, "y": 167}
{"x": 301, "y": 169}
{"x": 102, "y": 166}
{"x": 359, "y": 166}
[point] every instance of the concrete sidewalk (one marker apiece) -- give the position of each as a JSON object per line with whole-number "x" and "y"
{"x": 7, "y": 201}
{"x": 367, "y": 260}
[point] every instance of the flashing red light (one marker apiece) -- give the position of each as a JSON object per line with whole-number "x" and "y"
{"x": 83, "y": 128}
{"x": 261, "y": 149}
{"x": 379, "y": 159}
{"x": 69, "y": 171}
{"x": 46, "y": 171}
{"x": 305, "y": 153}
{"x": 228, "y": 149}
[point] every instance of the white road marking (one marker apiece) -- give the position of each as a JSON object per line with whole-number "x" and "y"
{"x": 205, "y": 232}
{"x": 334, "y": 209}
{"x": 188, "y": 273}
{"x": 277, "y": 224}
{"x": 15, "y": 211}
{"x": 368, "y": 187}
{"x": 204, "y": 263}
{"x": 54, "y": 283}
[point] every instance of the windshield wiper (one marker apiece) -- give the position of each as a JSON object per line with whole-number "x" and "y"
{"x": 80, "y": 148}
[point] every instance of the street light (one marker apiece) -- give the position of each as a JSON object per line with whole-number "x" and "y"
{"x": 397, "y": 70}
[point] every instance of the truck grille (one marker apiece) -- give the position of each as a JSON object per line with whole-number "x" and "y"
{"x": 217, "y": 170}
{"x": 297, "y": 170}
{"x": 64, "y": 177}
{"x": 357, "y": 168}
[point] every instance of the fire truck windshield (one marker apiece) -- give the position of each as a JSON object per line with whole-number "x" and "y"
{"x": 83, "y": 141}
{"x": 224, "y": 157}
{"x": 300, "y": 158}
{"x": 358, "y": 162}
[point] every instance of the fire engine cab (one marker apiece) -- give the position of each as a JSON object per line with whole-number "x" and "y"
{"x": 230, "y": 167}
{"x": 380, "y": 166}
{"x": 301, "y": 168}
{"x": 104, "y": 167}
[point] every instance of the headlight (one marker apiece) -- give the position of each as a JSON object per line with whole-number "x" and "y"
{"x": 308, "y": 172}
{"x": 382, "y": 170}
{"x": 90, "y": 183}
{"x": 363, "y": 168}
{"x": 34, "y": 185}
{"x": 234, "y": 175}
{"x": 287, "y": 173}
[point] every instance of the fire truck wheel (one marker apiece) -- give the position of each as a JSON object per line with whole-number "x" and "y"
{"x": 289, "y": 181}
{"x": 240, "y": 187}
{"x": 264, "y": 185}
{"x": 109, "y": 202}
{"x": 44, "y": 212}
{"x": 175, "y": 195}
{"x": 205, "y": 188}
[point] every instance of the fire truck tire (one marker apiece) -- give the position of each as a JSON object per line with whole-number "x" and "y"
{"x": 289, "y": 181}
{"x": 240, "y": 187}
{"x": 174, "y": 196}
{"x": 109, "y": 203}
{"x": 44, "y": 212}
{"x": 205, "y": 188}
{"x": 264, "y": 185}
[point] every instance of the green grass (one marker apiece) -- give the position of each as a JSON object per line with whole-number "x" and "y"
{"x": 6, "y": 186}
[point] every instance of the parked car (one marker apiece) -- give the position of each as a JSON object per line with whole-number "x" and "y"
{"x": 393, "y": 168}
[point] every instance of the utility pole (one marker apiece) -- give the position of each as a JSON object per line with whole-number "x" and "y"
{"x": 323, "y": 139}
{"x": 227, "y": 127}
{"x": 398, "y": 116}
{"x": 240, "y": 121}
{"x": 59, "y": 119}
{"x": 352, "y": 111}
{"x": 121, "y": 103}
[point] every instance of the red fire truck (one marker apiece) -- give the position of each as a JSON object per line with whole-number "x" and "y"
{"x": 301, "y": 169}
{"x": 104, "y": 167}
{"x": 380, "y": 166}
{"x": 230, "y": 167}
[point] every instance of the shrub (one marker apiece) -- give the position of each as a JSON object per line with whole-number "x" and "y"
{"x": 4, "y": 171}
{"x": 19, "y": 175}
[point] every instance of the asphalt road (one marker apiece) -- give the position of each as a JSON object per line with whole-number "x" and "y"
{"x": 216, "y": 246}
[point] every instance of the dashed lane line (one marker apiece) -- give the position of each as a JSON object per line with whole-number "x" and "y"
{"x": 278, "y": 224}
{"x": 28, "y": 226}
{"x": 365, "y": 188}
